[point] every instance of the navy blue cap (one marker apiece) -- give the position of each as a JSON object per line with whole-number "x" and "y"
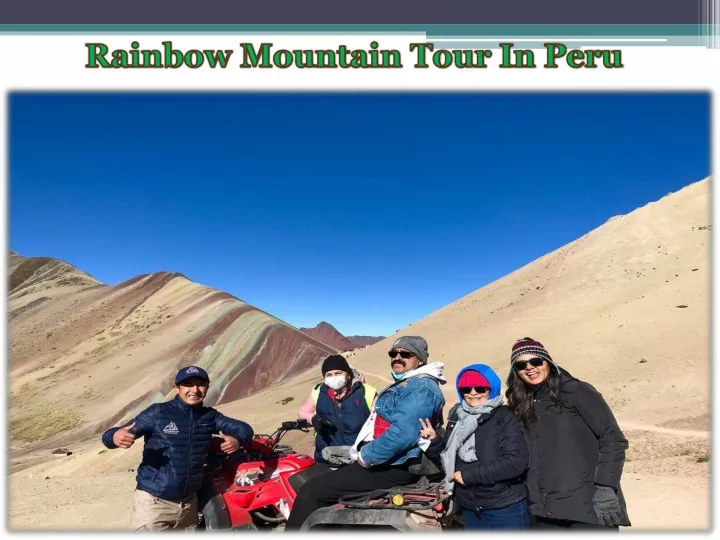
{"x": 191, "y": 371}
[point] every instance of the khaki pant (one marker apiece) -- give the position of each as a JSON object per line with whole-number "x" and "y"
{"x": 151, "y": 513}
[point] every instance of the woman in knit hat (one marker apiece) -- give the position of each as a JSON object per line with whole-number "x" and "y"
{"x": 338, "y": 407}
{"x": 577, "y": 450}
{"x": 483, "y": 454}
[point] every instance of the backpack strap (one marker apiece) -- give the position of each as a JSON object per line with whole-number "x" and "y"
{"x": 453, "y": 410}
{"x": 370, "y": 392}
{"x": 316, "y": 392}
{"x": 452, "y": 417}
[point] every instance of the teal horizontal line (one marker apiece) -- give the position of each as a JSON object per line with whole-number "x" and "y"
{"x": 675, "y": 41}
{"x": 445, "y": 30}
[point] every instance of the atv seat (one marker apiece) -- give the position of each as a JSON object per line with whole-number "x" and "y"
{"x": 427, "y": 469}
{"x": 300, "y": 479}
{"x": 427, "y": 482}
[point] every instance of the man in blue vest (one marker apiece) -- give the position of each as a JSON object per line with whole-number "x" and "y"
{"x": 338, "y": 407}
{"x": 177, "y": 436}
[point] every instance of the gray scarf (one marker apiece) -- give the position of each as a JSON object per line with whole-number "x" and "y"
{"x": 461, "y": 442}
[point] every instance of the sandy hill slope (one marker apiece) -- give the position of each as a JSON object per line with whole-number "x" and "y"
{"x": 364, "y": 341}
{"x": 84, "y": 355}
{"x": 625, "y": 307}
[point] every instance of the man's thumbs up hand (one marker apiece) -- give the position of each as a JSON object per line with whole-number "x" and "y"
{"x": 123, "y": 438}
{"x": 230, "y": 444}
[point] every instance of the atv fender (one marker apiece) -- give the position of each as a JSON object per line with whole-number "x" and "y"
{"x": 356, "y": 517}
{"x": 216, "y": 514}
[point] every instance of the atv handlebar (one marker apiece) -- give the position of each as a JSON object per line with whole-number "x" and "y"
{"x": 271, "y": 443}
{"x": 262, "y": 445}
{"x": 300, "y": 424}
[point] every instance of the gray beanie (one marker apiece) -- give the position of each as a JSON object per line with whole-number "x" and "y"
{"x": 415, "y": 344}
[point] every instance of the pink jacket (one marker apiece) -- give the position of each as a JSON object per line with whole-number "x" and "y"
{"x": 307, "y": 409}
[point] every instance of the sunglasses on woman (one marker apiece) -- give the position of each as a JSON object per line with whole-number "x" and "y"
{"x": 521, "y": 365}
{"x": 478, "y": 389}
{"x": 403, "y": 354}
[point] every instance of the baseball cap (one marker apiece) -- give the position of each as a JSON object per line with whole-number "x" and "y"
{"x": 191, "y": 371}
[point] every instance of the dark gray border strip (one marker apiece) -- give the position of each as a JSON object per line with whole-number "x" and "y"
{"x": 431, "y": 30}
{"x": 372, "y": 12}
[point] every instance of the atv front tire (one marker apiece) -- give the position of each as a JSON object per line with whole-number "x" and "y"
{"x": 212, "y": 507}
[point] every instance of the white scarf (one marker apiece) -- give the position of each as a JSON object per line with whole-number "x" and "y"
{"x": 461, "y": 442}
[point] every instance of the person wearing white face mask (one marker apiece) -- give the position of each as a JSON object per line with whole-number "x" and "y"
{"x": 338, "y": 407}
{"x": 388, "y": 450}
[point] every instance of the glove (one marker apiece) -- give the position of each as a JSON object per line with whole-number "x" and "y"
{"x": 607, "y": 507}
{"x": 339, "y": 455}
{"x": 322, "y": 424}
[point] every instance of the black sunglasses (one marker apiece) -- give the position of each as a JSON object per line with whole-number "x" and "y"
{"x": 520, "y": 365}
{"x": 478, "y": 389}
{"x": 403, "y": 354}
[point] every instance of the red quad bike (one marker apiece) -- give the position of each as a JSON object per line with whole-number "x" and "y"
{"x": 255, "y": 490}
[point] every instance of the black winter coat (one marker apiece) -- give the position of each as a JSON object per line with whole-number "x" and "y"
{"x": 177, "y": 439}
{"x": 497, "y": 478}
{"x": 572, "y": 449}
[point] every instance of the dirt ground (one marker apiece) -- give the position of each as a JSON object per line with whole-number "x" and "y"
{"x": 664, "y": 490}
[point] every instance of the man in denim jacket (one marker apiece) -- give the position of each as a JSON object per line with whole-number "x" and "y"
{"x": 389, "y": 442}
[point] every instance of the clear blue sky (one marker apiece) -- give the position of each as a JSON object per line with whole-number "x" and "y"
{"x": 367, "y": 211}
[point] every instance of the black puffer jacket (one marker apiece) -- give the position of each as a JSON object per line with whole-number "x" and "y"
{"x": 497, "y": 478}
{"x": 177, "y": 438}
{"x": 572, "y": 449}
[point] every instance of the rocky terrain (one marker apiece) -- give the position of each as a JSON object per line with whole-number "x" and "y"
{"x": 330, "y": 335}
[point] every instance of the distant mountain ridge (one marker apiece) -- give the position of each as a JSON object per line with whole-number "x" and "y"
{"x": 330, "y": 335}
{"x": 122, "y": 344}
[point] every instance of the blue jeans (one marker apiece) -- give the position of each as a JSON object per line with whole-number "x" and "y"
{"x": 515, "y": 516}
